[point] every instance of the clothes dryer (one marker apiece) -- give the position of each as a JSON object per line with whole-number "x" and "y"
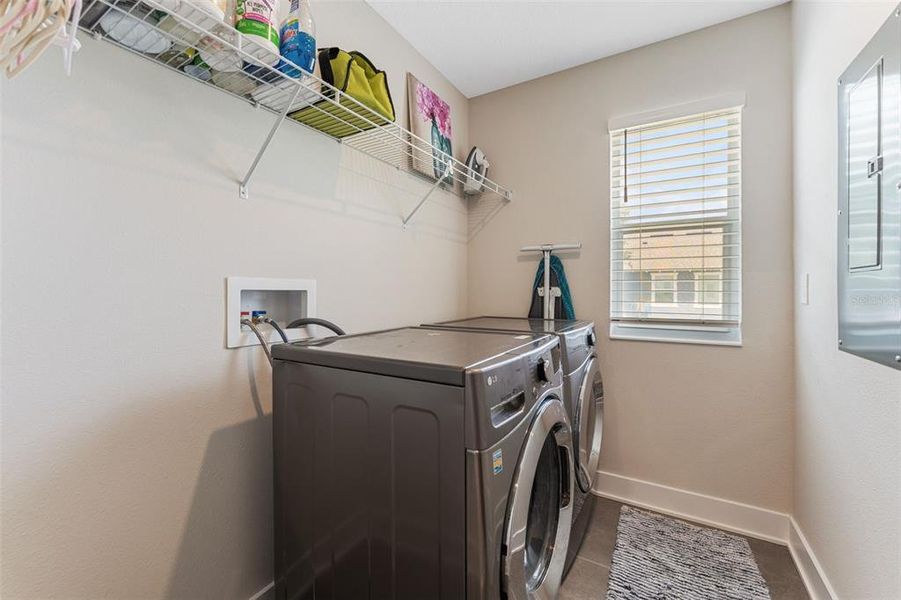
{"x": 421, "y": 463}
{"x": 583, "y": 390}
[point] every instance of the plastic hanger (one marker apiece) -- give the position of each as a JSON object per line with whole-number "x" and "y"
{"x": 29, "y": 26}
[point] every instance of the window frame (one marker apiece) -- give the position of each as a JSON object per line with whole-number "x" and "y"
{"x": 720, "y": 333}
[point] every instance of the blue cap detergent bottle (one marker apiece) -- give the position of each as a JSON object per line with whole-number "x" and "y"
{"x": 298, "y": 39}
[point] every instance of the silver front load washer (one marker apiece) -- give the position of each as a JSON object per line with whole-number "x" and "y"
{"x": 420, "y": 463}
{"x": 584, "y": 395}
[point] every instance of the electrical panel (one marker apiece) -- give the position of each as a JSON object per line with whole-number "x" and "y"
{"x": 869, "y": 200}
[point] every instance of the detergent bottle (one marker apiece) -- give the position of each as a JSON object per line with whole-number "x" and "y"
{"x": 257, "y": 20}
{"x": 298, "y": 39}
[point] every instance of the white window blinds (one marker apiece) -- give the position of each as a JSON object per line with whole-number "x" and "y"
{"x": 675, "y": 220}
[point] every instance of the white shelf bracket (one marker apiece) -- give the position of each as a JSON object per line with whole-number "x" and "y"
{"x": 242, "y": 186}
{"x": 447, "y": 170}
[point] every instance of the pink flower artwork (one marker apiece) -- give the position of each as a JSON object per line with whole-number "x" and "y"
{"x": 431, "y": 107}
{"x": 430, "y": 123}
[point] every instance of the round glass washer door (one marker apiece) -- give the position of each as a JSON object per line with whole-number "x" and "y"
{"x": 544, "y": 513}
{"x": 540, "y": 511}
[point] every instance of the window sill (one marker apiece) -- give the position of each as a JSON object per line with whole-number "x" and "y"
{"x": 707, "y": 335}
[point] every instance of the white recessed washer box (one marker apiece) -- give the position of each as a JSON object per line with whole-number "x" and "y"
{"x": 284, "y": 300}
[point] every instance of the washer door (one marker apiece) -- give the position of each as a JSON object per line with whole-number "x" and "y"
{"x": 540, "y": 513}
{"x": 590, "y": 425}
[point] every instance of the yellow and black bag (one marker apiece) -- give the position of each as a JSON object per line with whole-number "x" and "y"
{"x": 354, "y": 75}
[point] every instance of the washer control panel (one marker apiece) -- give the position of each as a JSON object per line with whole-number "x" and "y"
{"x": 545, "y": 369}
{"x": 580, "y": 344}
{"x": 501, "y": 395}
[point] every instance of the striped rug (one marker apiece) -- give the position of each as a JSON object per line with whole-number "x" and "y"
{"x": 658, "y": 558}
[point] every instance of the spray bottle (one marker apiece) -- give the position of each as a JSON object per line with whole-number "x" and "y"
{"x": 298, "y": 39}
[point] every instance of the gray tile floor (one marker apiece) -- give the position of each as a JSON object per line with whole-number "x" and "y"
{"x": 588, "y": 578}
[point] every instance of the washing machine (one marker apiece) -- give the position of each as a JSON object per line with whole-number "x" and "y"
{"x": 421, "y": 463}
{"x": 583, "y": 390}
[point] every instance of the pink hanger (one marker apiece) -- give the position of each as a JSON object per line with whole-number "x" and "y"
{"x": 26, "y": 10}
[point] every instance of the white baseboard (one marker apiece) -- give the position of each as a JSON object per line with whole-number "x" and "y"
{"x": 809, "y": 567}
{"x": 729, "y": 515}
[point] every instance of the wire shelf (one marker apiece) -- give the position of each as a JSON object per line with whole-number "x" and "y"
{"x": 180, "y": 35}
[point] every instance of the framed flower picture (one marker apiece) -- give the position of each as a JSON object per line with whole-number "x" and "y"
{"x": 430, "y": 120}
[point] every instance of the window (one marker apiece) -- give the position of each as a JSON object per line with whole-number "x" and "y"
{"x": 675, "y": 228}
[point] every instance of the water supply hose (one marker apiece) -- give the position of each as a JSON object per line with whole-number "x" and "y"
{"x": 312, "y": 321}
{"x": 281, "y": 332}
{"x": 259, "y": 335}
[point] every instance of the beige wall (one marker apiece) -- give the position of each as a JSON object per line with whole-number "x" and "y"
{"x": 848, "y": 449}
{"x": 712, "y": 420}
{"x": 134, "y": 459}
{"x": 134, "y": 463}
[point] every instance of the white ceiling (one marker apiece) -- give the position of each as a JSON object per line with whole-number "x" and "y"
{"x": 482, "y": 46}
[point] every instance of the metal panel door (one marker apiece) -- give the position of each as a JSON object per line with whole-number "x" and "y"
{"x": 869, "y": 198}
{"x": 369, "y": 486}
